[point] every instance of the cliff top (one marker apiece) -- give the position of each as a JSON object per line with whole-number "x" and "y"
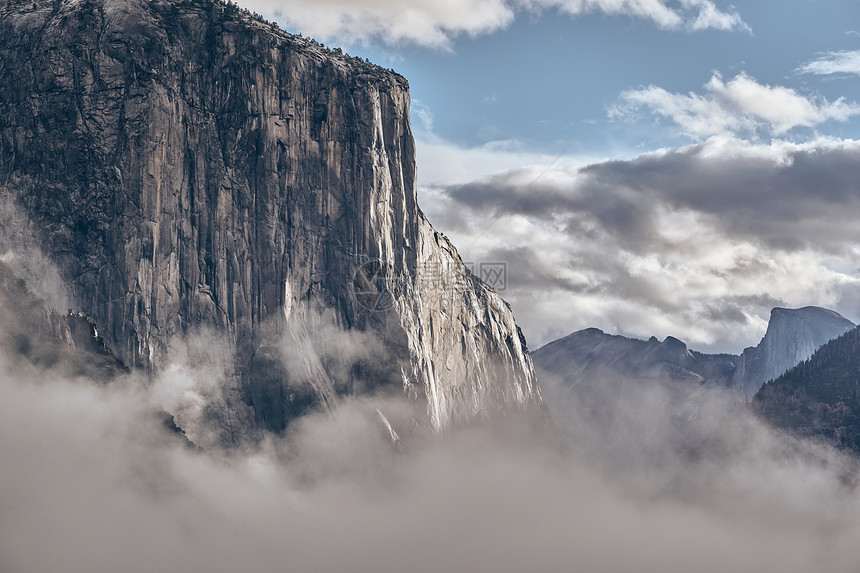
{"x": 34, "y": 16}
{"x": 810, "y": 311}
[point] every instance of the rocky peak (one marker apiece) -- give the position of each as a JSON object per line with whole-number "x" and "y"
{"x": 792, "y": 336}
{"x": 674, "y": 351}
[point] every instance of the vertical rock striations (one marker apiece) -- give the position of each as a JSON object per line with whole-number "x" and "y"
{"x": 191, "y": 166}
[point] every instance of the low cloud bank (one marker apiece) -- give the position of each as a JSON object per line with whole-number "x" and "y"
{"x": 90, "y": 480}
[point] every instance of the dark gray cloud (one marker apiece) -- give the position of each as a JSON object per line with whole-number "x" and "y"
{"x": 526, "y": 270}
{"x": 803, "y": 198}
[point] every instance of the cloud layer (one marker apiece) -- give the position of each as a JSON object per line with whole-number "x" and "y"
{"x": 678, "y": 479}
{"x": 697, "y": 243}
{"x": 89, "y": 482}
{"x": 436, "y": 23}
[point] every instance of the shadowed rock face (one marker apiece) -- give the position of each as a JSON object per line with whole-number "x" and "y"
{"x": 33, "y": 333}
{"x": 190, "y": 167}
{"x": 792, "y": 336}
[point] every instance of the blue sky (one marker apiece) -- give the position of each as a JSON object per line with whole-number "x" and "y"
{"x": 541, "y": 79}
{"x": 538, "y": 80}
{"x": 710, "y": 162}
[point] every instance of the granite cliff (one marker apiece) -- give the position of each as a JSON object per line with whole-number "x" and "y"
{"x": 190, "y": 167}
{"x": 792, "y": 336}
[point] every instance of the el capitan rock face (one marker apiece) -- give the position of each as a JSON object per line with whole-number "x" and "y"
{"x": 192, "y": 167}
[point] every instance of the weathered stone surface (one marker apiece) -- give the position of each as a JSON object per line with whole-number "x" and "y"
{"x": 792, "y": 336}
{"x": 190, "y": 166}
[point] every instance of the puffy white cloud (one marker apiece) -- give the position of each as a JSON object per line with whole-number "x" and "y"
{"x": 710, "y": 17}
{"x": 740, "y": 106}
{"x": 425, "y": 22}
{"x": 436, "y": 22}
{"x": 844, "y": 62}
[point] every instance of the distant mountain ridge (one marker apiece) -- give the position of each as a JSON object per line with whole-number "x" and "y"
{"x": 591, "y": 351}
{"x": 618, "y": 395}
{"x": 605, "y": 390}
{"x": 792, "y": 336}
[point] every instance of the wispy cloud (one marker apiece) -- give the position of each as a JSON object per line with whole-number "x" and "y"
{"x": 435, "y": 23}
{"x": 843, "y": 62}
{"x": 740, "y": 106}
{"x": 692, "y": 15}
{"x": 444, "y": 163}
